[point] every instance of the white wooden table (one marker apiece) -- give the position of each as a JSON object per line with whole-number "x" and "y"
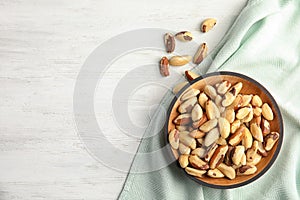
{"x": 43, "y": 45}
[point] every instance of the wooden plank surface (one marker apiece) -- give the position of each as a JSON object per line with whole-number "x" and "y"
{"x": 43, "y": 45}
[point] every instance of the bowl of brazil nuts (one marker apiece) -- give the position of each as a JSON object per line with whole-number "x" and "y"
{"x": 224, "y": 129}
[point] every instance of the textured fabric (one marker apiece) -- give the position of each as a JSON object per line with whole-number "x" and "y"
{"x": 263, "y": 43}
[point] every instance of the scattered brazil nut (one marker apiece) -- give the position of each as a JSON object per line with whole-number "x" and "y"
{"x": 200, "y": 53}
{"x": 190, "y": 75}
{"x": 164, "y": 66}
{"x": 184, "y": 36}
{"x": 179, "y": 60}
{"x": 169, "y": 42}
{"x": 208, "y": 24}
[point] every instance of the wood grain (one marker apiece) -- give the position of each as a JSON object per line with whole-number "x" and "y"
{"x": 43, "y": 45}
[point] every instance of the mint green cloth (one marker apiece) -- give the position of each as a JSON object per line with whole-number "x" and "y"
{"x": 263, "y": 43}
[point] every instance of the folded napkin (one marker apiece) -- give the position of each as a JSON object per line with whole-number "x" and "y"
{"x": 263, "y": 43}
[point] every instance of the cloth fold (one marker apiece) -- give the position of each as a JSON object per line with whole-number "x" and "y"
{"x": 264, "y": 44}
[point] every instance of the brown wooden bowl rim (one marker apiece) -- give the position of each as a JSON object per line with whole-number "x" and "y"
{"x": 280, "y": 140}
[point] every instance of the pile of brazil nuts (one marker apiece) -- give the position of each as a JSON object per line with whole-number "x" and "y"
{"x": 220, "y": 132}
{"x": 184, "y": 36}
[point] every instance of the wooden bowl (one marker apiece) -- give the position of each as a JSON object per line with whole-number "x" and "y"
{"x": 250, "y": 86}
